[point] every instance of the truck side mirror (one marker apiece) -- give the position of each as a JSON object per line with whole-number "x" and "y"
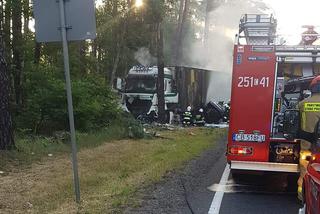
{"x": 291, "y": 124}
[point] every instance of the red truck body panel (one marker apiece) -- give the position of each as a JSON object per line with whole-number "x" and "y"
{"x": 312, "y": 185}
{"x": 253, "y": 80}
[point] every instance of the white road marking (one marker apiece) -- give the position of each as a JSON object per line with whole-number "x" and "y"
{"x": 228, "y": 187}
{"x": 218, "y": 196}
{"x": 239, "y": 188}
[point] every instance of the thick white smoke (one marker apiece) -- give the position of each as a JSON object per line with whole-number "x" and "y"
{"x": 144, "y": 57}
{"x": 217, "y": 55}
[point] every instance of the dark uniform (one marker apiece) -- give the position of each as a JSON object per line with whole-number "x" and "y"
{"x": 199, "y": 118}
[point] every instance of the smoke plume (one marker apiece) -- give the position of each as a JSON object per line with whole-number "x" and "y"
{"x": 144, "y": 57}
{"x": 217, "y": 52}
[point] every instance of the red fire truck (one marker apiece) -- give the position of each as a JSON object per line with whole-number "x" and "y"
{"x": 268, "y": 82}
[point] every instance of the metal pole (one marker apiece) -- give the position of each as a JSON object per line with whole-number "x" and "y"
{"x": 69, "y": 97}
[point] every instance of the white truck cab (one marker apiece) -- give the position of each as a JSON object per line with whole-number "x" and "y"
{"x": 139, "y": 94}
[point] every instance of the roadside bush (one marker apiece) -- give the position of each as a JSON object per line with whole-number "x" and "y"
{"x": 45, "y": 108}
{"x": 134, "y": 127}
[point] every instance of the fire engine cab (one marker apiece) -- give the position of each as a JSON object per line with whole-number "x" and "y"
{"x": 268, "y": 82}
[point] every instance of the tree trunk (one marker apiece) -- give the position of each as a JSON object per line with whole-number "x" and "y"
{"x": 211, "y": 4}
{"x": 6, "y": 129}
{"x": 26, "y": 33}
{"x": 115, "y": 65}
{"x": 115, "y": 46}
{"x": 209, "y": 8}
{"x": 26, "y": 17}
{"x": 183, "y": 13}
{"x": 37, "y": 53}
{"x": 160, "y": 82}
{"x": 82, "y": 57}
{"x": 7, "y": 33}
{"x": 17, "y": 50}
{"x": 177, "y": 34}
{"x": 94, "y": 49}
{"x": 119, "y": 37}
{"x": 1, "y": 14}
{"x": 99, "y": 59}
{"x": 179, "y": 37}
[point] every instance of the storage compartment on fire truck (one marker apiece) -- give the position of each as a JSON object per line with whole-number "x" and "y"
{"x": 292, "y": 80}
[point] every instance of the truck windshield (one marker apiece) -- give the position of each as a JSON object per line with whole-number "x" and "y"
{"x": 140, "y": 85}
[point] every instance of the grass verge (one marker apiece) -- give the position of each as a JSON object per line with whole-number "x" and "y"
{"x": 110, "y": 174}
{"x": 32, "y": 148}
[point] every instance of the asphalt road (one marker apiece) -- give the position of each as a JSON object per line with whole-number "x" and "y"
{"x": 248, "y": 194}
{"x": 254, "y": 194}
{"x": 206, "y": 186}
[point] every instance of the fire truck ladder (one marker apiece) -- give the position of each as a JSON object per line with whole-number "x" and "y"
{"x": 258, "y": 29}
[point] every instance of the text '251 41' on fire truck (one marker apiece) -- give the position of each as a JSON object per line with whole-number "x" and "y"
{"x": 268, "y": 82}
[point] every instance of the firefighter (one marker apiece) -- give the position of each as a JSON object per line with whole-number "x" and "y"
{"x": 310, "y": 116}
{"x": 199, "y": 118}
{"x": 227, "y": 111}
{"x": 187, "y": 117}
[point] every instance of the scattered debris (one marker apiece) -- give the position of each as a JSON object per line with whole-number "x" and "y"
{"x": 170, "y": 128}
{"x": 28, "y": 205}
{"x": 192, "y": 134}
{"x": 3, "y": 174}
{"x": 157, "y": 135}
{"x": 221, "y": 126}
{"x": 61, "y": 136}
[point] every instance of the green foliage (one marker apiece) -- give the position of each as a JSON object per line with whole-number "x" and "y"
{"x": 134, "y": 127}
{"x": 122, "y": 29}
{"x": 45, "y": 108}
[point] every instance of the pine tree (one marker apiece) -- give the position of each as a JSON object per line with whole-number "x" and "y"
{"x": 6, "y": 129}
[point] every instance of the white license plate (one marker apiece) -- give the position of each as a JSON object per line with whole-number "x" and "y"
{"x": 249, "y": 138}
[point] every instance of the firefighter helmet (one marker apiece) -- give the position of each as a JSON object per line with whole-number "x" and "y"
{"x": 201, "y": 110}
{"x": 189, "y": 108}
{"x": 315, "y": 85}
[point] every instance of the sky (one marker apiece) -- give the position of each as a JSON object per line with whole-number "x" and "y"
{"x": 292, "y": 14}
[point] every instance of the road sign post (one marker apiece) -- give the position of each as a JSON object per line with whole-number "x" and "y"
{"x": 69, "y": 99}
{"x": 66, "y": 20}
